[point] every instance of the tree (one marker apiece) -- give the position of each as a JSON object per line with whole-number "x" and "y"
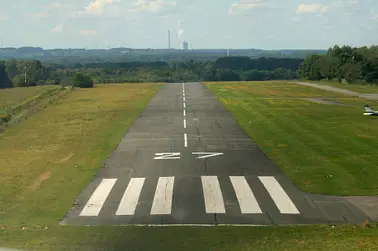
{"x": 351, "y": 72}
{"x": 82, "y": 81}
{"x": 4, "y": 79}
{"x": 19, "y": 81}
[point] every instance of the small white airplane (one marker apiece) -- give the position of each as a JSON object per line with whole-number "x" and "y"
{"x": 369, "y": 111}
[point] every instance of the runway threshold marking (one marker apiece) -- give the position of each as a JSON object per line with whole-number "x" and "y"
{"x": 247, "y": 200}
{"x": 162, "y": 203}
{"x": 212, "y": 195}
{"x": 130, "y": 198}
{"x": 98, "y": 198}
{"x": 279, "y": 196}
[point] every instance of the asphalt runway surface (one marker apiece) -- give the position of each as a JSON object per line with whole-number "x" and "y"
{"x": 186, "y": 161}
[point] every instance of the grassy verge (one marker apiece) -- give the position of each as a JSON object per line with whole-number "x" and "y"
{"x": 18, "y": 103}
{"x": 269, "y": 89}
{"x": 63, "y": 146}
{"x": 14, "y": 96}
{"x": 316, "y": 238}
{"x": 324, "y": 148}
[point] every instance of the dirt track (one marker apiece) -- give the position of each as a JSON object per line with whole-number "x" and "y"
{"x": 339, "y": 90}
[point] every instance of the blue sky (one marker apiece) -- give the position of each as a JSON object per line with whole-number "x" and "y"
{"x": 264, "y": 24}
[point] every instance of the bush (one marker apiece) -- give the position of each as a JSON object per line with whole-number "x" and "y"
{"x": 82, "y": 81}
{"x": 5, "y": 117}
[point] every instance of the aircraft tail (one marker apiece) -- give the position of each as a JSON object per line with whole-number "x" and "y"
{"x": 368, "y": 108}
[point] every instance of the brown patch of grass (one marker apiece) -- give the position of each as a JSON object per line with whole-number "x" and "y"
{"x": 37, "y": 183}
{"x": 65, "y": 158}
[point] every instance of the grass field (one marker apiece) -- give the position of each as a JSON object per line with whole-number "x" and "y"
{"x": 274, "y": 89}
{"x": 14, "y": 96}
{"x": 46, "y": 161}
{"x": 325, "y": 149}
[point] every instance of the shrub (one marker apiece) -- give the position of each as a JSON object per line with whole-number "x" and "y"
{"x": 5, "y": 117}
{"x": 82, "y": 81}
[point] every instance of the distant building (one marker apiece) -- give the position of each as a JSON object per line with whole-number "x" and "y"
{"x": 185, "y": 45}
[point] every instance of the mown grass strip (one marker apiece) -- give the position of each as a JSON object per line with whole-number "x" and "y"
{"x": 325, "y": 149}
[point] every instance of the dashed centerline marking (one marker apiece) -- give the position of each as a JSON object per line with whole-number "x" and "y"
{"x": 185, "y": 140}
{"x": 184, "y": 123}
{"x": 184, "y": 105}
{"x": 184, "y": 113}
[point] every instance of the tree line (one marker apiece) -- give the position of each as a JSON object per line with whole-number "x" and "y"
{"x": 342, "y": 63}
{"x": 352, "y": 65}
{"x": 19, "y": 73}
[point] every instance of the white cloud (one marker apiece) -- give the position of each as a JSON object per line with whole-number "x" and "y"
{"x": 97, "y": 6}
{"x": 151, "y": 6}
{"x": 57, "y": 28}
{"x": 3, "y": 18}
{"x": 312, "y": 8}
{"x": 88, "y": 32}
{"x": 245, "y": 5}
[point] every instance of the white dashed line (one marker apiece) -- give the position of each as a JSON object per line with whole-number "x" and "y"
{"x": 184, "y": 112}
{"x": 184, "y": 123}
{"x": 184, "y": 105}
{"x": 186, "y": 140}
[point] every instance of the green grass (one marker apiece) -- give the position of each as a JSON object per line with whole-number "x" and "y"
{"x": 47, "y": 160}
{"x": 270, "y": 89}
{"x": 315, "y": 238}
{"x": 14, "y": 96}
{"x": 325, "y": 149}
{"x": 363, "y": 89}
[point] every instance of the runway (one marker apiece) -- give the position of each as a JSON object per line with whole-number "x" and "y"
{"x": 185, "y": 160}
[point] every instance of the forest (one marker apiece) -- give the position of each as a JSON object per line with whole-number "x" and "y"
{"x": 347, "y": 64}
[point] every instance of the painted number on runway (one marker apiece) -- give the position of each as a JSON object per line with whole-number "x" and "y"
{"x": 206, "y": 154}
{"x": 167, "y": 155}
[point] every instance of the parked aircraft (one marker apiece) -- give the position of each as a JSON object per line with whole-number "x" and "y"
{"x": 369, "y": 111}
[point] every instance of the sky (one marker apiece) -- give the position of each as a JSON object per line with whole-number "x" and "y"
{"x": 260, "y": 24}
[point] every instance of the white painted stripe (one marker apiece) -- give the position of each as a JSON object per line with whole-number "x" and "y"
{"x": 184, "y": 99}
{"x": 279, "y": 196}
{"x": 247, "y": 200}
{"x": 96, "y": 201}
{"x": 184, "y": 112}
{"x": 162, "y": 203}
{"x": 130, "y": 198}
{"x": 212, "y": 195}
{"x": 184, "y": 105}
{"x": 184, "y": 123}
{"x": 185, "y": 140}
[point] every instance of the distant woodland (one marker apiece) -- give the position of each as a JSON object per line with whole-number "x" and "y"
{"x": 345, "y": 63}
